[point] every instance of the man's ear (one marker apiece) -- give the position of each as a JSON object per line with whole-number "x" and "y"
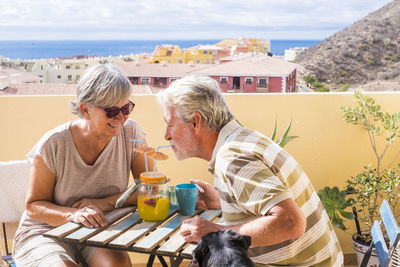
{"x": 197, "y": 120}
{"x": 84, "y": 110}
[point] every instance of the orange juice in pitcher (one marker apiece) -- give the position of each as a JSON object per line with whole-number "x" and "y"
{"x": 153, "y": 199}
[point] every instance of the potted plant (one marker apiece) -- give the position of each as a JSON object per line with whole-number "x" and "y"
{"x": 376, "y": 181}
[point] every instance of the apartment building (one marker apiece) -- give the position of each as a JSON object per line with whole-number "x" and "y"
{"x": 208, "y": 54}
{"x": 61, "y": 70}
{"x": 200, "y": 54}
{"x": 256, "y": 74}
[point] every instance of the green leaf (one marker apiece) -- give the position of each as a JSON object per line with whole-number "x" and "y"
{"x": 283, "y": 141}
{"x": 274, "y": 132}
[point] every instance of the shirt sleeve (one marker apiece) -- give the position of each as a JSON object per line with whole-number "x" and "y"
{"x": 46, "y": 148}
{"x": 253, "y": 185}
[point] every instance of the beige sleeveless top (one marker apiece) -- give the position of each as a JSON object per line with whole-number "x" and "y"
{"x": 75, "y": 179}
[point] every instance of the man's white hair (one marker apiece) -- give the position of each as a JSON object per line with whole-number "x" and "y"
{"x": 200, "y": 94}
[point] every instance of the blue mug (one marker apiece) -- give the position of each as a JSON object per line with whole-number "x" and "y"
{"x": 187, "y": 194}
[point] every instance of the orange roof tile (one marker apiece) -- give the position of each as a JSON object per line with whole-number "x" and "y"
{"x": 159, "y": 70}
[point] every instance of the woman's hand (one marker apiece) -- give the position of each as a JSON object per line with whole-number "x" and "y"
{"x": 102, "y": 204}
{"x": 208, "y": 196}
{"x": 90, "y": 216}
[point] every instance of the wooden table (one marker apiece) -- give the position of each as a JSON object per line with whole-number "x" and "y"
{"x": 126, "y": 231}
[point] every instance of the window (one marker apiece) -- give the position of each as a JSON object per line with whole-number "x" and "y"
{"x": 78, "y": 77}
{"x": 179, "y": 61}
{"x": 134, "y": 80}
{"x": 207, "y": 61}
{"x": 86, "y": 65}
{"x": 77, "y": 67}
{"x": 249, "y": 80}
{"x": 58, "y": 76}
{"x": 205, "y": 52}
{"x": 224, "y": 80}
{"x": 41, "y": 67}
{"x": 69, "y": 77}
{"x": 171, "y": 80}
{"x": 198, "y": 61}
{"x": 262, "y": 82}
{"x": 68, "y": 67}
{"x": 146, "y": 81}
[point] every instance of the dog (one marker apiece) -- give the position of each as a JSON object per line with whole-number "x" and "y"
{"x": 222, "y": 249}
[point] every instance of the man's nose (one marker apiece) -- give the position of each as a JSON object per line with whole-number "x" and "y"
{"x": 167, "y": 135}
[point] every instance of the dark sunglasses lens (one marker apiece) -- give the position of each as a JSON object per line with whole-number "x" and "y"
{"x": 111, "y": 112}
{"x": 127, "y": 109}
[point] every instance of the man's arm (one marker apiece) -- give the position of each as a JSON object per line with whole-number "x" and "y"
{"x": 283, "y": 222}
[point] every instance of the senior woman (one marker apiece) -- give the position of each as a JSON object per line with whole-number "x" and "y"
{"x": 79, "y": 169}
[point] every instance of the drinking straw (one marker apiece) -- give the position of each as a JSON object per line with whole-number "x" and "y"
{"x": 155, "y": 161}
{"x": 145, "y": 156}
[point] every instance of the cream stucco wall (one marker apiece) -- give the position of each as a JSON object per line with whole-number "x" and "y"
{"x": 328, "y": 149}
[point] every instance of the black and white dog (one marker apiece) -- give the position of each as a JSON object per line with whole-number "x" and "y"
{"x": 223, "y": 249}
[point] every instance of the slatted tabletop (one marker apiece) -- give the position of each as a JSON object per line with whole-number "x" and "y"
{"x": 126, "y": 231}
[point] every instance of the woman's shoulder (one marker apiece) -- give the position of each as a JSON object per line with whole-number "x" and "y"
{"x": 57, "y": 132}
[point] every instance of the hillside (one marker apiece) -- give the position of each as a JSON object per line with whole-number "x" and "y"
{"x": 366, "y": 51}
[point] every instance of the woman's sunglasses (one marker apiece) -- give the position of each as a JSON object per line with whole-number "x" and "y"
{"x": 114, "y": 111}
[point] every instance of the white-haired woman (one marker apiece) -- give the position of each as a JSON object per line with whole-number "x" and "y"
{"x": 79, "y": 169}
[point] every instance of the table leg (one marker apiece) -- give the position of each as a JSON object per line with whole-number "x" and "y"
{"x": 150, "y": 261}
{"x": 164, "y": 264}
{"x": 78, "y": 254}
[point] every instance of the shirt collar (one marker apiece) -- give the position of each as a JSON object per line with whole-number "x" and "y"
{"x": 223, "y": 135}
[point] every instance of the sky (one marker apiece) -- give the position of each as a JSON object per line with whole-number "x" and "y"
{"x": 178, "y": 19}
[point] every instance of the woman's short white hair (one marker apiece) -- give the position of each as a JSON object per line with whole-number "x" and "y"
{"x": 200, "y": 94}
{"x": 101, "y": 85}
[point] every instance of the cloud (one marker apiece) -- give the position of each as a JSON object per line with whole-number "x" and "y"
{"x": 155, "y": 19}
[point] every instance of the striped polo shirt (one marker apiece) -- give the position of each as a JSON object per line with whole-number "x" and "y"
{"x": 252, "y": 174}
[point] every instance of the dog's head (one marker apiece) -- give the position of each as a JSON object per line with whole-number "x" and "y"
{"x": 223, "y": 248}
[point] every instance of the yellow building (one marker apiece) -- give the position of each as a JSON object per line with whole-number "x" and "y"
{"x": 208, "y": 54}
{"x": 200, "y": 54}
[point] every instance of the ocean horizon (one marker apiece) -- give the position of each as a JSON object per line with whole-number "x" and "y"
{"x": 36, "y": 49}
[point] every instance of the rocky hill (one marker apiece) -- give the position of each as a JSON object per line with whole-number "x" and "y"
{"x": 366, "y": 51}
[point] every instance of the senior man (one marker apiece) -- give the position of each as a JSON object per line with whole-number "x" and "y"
{"x": 262, "y": 191}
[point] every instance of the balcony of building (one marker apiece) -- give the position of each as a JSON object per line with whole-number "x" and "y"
{"x": 328, "y": 149}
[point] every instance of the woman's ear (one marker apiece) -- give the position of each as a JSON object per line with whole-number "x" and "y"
{"x": 84, "y": 110}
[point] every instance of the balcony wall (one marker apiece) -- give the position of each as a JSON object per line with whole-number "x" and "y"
{"x": 329, "y": 150}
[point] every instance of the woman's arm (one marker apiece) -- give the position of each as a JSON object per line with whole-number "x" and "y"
{"x": 40, "y": 206}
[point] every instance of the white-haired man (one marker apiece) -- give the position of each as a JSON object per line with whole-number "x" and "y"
{"x": 261, "y": 190}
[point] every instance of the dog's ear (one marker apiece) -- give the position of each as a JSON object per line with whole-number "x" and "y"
{"x": 200, "y": 253}
{"x": 246, "y": 241}
{"x": 243, "y": 241}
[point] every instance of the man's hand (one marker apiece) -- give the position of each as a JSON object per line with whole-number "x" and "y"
{"x": 90, "y": 216}
{"x": 194, "y": 228}
{"x": 208, "y": 196}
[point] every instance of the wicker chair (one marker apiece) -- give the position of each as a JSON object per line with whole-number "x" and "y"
{"x": 14, "y": 179}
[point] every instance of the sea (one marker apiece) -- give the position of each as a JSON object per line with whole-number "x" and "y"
{"x": 104, "y": 48}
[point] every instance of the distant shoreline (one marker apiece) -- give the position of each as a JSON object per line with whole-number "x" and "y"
{"x": 42, "y": 49}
